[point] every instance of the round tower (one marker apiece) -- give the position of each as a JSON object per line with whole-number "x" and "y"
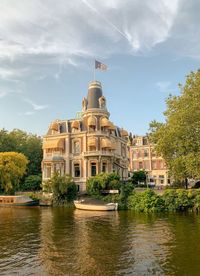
{"x": 94, "y": 94}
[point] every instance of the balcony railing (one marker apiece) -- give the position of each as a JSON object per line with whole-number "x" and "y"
{"x": 99, "y": 152}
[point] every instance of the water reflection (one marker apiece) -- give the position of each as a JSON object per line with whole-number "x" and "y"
{"x": 61, "y": 241}
{"x": 19, "y": 239}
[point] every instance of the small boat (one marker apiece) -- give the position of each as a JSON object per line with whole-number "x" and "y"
{"x": 19, "y": 200}
{"x": 82, "y": 205}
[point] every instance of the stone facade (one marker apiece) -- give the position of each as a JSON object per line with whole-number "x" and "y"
{"x": 88, "y": 145}
{"x": 143, "y": 157}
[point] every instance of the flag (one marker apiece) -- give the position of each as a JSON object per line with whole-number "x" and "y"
{"x": 101, "y": 66}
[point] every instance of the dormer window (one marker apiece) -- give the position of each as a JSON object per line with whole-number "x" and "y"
{"x": 92, "y": 123}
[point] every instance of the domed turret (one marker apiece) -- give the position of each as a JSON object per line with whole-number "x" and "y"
{"x": 94, "y": 93}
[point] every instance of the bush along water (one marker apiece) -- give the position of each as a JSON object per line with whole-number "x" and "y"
{"x": 64, "y": 190}
{"x": 171, "y": 200}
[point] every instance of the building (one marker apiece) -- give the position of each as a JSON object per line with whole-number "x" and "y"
{"x": 87, "y": 145}
{"x": 143, "y": 157}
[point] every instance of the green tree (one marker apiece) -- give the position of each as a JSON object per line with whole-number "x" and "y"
{"x": 177, "y": 140}
{"x": 31, "y": 183}
{"x": 102, "y": 181}
{"x": 139, "y": 177}
{"x": 12, "y": 168}
{"x": 62, "y": 187}
{"x": 28, "y": 144}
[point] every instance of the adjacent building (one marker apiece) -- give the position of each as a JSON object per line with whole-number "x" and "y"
{"x": 87, "y": 145}
{"x": 144, "y": 157}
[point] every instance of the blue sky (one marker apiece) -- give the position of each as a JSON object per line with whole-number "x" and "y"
{"x": 47, "y": 52}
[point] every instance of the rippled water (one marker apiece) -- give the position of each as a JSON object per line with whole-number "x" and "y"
{"x": 61, "y": 241}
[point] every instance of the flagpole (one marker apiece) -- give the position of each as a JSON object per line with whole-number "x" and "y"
{"x": 94, "y": 71}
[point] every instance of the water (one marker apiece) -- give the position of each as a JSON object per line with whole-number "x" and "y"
{"x": 61, "y": 241}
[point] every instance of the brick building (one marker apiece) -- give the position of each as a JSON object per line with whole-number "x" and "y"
{"x": 143, "y": 157}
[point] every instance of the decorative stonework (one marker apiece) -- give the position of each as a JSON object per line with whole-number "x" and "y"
{"x": 87, "y": 145}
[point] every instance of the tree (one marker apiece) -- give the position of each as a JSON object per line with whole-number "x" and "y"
{"x": 12, "y": 168}
{"x": 31, "y": 183}
{"x": 102, "y": 181}
{"x": 28, "y": 144}
{"x": 62, "y": 187}
{"x": 177, "y": 140}
{"x": 139, "y": 177}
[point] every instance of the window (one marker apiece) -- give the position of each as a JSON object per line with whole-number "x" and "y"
{"x": 146, "y": 165}
{"x": 93, "y": 169}
{"x": 140, "y": 165}
{"x": 104, "y": 167}
{"x": 146, "y": 153}
{"x": 92, "y": 148}
{"x": 92, "y": 128}
{"x": 76, "y": 147}
{"x": 134, "y": 154}
{"x": 154, "y": 165}
{"x": 77, "y": 172}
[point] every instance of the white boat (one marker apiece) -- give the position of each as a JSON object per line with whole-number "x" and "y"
{"x": 82, "y": 205}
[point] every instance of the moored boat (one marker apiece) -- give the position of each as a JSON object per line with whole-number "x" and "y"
{"x": 82, "y": 205}
{"x": 20, "y": 200}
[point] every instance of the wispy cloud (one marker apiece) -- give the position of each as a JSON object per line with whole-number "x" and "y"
{"x": 26, "y": 113}
{"x": 3, "y": 94}
{"x": 164, "y": 86}
{"x": 41, "y": 32}
{"x": 43, "y": 36}
{"x": 35, "y": 106}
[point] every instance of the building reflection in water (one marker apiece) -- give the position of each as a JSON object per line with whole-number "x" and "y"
{"x": 103, "y": 243}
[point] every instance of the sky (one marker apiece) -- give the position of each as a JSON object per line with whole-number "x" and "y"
{"x": 48, "y": 48}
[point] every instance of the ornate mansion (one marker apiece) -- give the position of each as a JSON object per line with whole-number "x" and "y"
{"x": 87, "y": 145}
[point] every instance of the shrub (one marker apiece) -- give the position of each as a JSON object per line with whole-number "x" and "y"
{"x": 169, "y": 198}
{"x": 146, "y": 201}
{"x": 63, "y": 189}
{"x": 102, "y": 181}
{"x": 183, "y": 201}
{"x": 31, "y": 183}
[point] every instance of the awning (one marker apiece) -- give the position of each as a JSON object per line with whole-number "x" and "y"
{"x": 105, "y": 122}
{"x": 54, "y": 126}
{"x": 75, "y": 124}
{"x": 91, "y": 121}
{"x": 123, "y": 133}
{"x": 112, "y": 126}
{"x": 92, "y": 142}
{"x": 53, "y": 143}
{"x": 106, "y": 143}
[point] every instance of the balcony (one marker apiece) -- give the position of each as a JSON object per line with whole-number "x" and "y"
{"x": 98, "y": 153}
{"x": 53, "y": 157}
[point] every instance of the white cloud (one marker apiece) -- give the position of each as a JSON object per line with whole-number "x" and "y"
{"x": 40, "y": 35}
{"x": 64, "y": 32}
{"x": 35, "y": 106}
{"x": 27, "y": 113}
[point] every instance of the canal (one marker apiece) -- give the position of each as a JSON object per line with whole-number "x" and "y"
{"x": 62, "y": 241}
